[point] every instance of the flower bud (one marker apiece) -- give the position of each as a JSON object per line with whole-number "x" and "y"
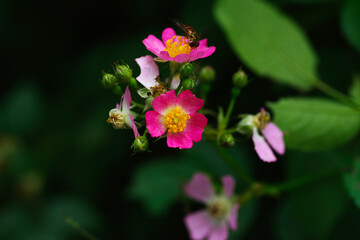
{"x": 108, "y": 80}
{"x": 186, "y": 70}
{"x": 189, "y": 83}
{"x": 226, "y": 140}
{"x": 123, "y": 72}
{"x": 207, "y": 74}
{"x": 240, "y": 79}
{"x": 246, "y": 125}
{"x": 118, "y": 91}
{"x": 117, "y": 119}
{"x": 141, "y": 144}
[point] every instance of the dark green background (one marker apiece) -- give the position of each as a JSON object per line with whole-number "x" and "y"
{"x": 59, "y": 158}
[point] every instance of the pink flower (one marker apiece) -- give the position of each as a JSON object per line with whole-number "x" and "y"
{"x": 177, "y": 116}
{"x": 176, "y": 48}
{"x": 271, "y": 132}
{"x": 221, "y": 213}
{"x": 121, "y": 116}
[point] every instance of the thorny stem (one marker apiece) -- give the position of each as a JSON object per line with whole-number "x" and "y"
{"x": 322, "y": 86}
{"x": 240, "y": 171}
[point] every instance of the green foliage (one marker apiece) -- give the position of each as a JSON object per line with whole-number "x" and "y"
{"x": 352, "y": 182}
{"x": 350, "y": 21}
{"x": 355, "y": 89}
{"x": 314, "y": 123}
{"x": 272, "y": 45}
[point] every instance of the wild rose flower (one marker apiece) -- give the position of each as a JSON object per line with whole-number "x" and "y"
{"x": 271, "y": 132}
{"x": 121, "y": 117}
{"x": 221, "y": 213}
{"x": 177, "y": 115}
{"x": 176, "y": 48}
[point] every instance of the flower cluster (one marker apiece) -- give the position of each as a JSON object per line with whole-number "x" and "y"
{"x": 172, "y": 108}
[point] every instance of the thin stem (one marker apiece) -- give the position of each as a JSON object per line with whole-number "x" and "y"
{"x": 336, "y": 94}
{"x": 235, "y": 92}
{"x": 139, "y": 105}
{"x": 76, "y": 226}
{"x": 240, "y": 171}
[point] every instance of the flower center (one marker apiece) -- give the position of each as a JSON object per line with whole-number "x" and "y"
{"x": 177, "y": 45}
{"x": 176, "y": 119}
{"x": 219, "y": 207}
{"x": 117, "y": 119}
{"x": 261, "y": 119}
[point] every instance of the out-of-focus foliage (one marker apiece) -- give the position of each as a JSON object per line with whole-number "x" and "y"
{"x": 350, "y": 20}
{"x": 352, "y": 182}
{"x": 314, "y": 123}
{"x": 355, "y": 89}
{"x": 272, "y": 45}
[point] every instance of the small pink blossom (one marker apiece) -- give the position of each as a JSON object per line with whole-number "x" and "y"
{"x": 176, "y": 48}
{"x": 121, "y": 116}
{"x": 177, "y": 115}
{"x": 221, "y": 213}
{"x": 273, "y": 135}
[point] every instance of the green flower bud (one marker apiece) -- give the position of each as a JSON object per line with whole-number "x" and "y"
{"x": 141, "y": 144}
{"x": 186, "y": 70}
{"x": 207, "y": 74}
{"x": 108, "y": 80}
{"x": 123, "y": 72}
{"x": 226, "y": 140}
{"x": 118, "y": 91}
{"x": 240, "y": 79}
{"x": 133, "y": 83}
{"x": 189, "y": 83}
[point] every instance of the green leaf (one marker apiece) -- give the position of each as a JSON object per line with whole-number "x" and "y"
{"x": 158, "y": 184}
{"x": 268, "y": 41}
{"x": 352, "y": 182}
{"x": 350, "y": 21}
{"x": 314, "y": 123}
{"x": 355, "y": 89}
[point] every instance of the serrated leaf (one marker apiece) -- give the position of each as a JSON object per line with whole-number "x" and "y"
{"x": 268, "y": 41}
{"x": 352, "y": 182}
{"x": 315, "y": 123}
{"x": 355, "y": 89}
{"x": 350, "y": 22}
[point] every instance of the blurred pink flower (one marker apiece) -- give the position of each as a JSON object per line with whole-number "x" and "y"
{"x": 177, "y": 115}
{"x": 176, "y": 48}
{"x": 121, "y": 116}
{"x": 221, "y": 213}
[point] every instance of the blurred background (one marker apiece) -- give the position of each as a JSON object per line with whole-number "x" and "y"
{"x": 59, "y": 159}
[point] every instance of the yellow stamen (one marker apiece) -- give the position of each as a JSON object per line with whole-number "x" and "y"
{"x": 180, "y": 46}
{"x": 176, "y": 119}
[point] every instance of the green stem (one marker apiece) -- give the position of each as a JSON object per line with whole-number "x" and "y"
{"x": 76, "y": 226}
{"x": 322, "y": 86}
{"x": 240, "y": 171}
{"x": 139, "y": 105}
{"x": 235, "y": 92}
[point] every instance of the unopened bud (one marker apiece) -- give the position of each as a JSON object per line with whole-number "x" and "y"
{"x": 141, "y": 144}
{"x": 189, "y": 83}
{"x": 207, "y": 74}
{"x": 186, "y": 70}
{"x": 108, "y": 80}
{"x": 123, "y": 72}
{"x": 117, "y": 119}
{"x": 240, "y": 79}
{"x": 227, "y": 140}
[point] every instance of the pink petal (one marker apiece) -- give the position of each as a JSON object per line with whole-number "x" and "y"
{"x": 219, "y": 232}
{"x": 195, "y": 54}
{"x": 175, "y": 82}
{"x": 148, "y": 71}
{"x": 182, "y": 58}
{"x": 228, "y": 183}
{"x": 262, "y": 148}
{"x": 208, "y": 51}
{"x": 199, "y": 188}
{"x": 155, "y": 123}
{"x": 153, "y": 44}
{"x": 233, "y": 217}
{"x": 180, "y": 140}
{"x": 125, "y": 101}
{"x": 189, "y": 102}
{"x": 195, "y": 126}
{"x": 167, "y": 34}
{"x": 133, "y": 126}
{"x": 202, "y": 45}
{"x": 165, "y": 55}
{"x": 198, "y": 224}
{"x": 274, "y": 136}
{"x": 164, "y": 102}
